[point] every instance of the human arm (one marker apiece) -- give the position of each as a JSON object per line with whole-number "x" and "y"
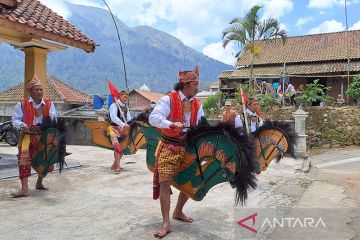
{"x": 158, "y": 117}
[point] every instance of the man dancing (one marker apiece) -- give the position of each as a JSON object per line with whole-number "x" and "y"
{"x": 28, "y": 116}
{"x": 119, "y": 116}
{"x": 173, "y": 115}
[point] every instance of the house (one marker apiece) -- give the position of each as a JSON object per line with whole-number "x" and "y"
{"x": 214, "y": 87}
{"x": 140, "y": 99}
{"x": 333, "y": 58}
{"x": 30, "y": 26}
{"x": 64, "y": 97}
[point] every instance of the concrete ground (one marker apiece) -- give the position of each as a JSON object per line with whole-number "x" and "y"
{"x": 89, "y": 202}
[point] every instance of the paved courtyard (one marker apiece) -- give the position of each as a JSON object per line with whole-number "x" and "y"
{"x": 89, "y": 202}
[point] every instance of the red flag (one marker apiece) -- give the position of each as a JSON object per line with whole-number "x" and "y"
{"x": 244, "y": 97}
{"x": 114, "y": 92}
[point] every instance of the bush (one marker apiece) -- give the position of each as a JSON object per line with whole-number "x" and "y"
{"x": 314, "y": 92}
{"x": 247, "y": 89}
{"x": 266, "y": 100}
{"x": 354, "y": 89}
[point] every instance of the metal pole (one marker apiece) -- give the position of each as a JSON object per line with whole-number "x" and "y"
{"x": 121, "y": 48}
{"x": 347, "y": 51}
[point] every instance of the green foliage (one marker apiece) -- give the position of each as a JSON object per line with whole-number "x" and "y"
{"x": 210, "y": 102}
{"x": 354, "y": 88}
{"x": 245, "y": 31}
{"x": 336, "y": 135}
{"x": 314, "y": 92}
{"x": 211, "y": 105}
{"x": 247, "y": 89}
{"x": 266, "y": 100}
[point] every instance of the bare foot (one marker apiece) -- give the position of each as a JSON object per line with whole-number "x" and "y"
{"x": 20, "y": 193}
{"x": 163, "y": 231}
{"x": 182, "y": 217}
{"x": 40, "y": 186}
{"x": 117, "y": 170}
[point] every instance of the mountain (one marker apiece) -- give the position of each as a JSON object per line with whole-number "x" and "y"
{"x": 152, "y": 57}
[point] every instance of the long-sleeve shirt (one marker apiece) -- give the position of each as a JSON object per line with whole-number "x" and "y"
{"x": 290, "y": 89}
{"x": 18, "y": 115}
{"x": 253, "y": 124}
{"x": 113, "y": 110}
{"x": 158, "y": 117}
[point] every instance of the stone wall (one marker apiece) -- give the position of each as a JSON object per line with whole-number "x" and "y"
{"x": 326, "y": 127}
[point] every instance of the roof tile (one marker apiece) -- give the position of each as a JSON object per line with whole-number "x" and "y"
{"x": 57, "y": 91}
{"x": 36, "y": 15}
{"x": 307, "y": 48}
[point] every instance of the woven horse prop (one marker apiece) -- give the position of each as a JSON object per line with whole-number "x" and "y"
{"x": 214, "y": 154}
{"x": 217, "y": 154}
{"x": 51, "y": 148}
{"x": 131, "y": 141}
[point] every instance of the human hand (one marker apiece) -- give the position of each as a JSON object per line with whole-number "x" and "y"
{"x": 177, "y": 125}
{"x": 24, "y": 127}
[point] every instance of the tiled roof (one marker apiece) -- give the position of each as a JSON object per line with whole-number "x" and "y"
{"x": 225, "y": 74}
{"x": 151, "y": 96}
{"x": 56, "y": 89}
{"x": 297, "y": 69}
{"x": 34, "y": 18}
{"x": 307, "y": 48}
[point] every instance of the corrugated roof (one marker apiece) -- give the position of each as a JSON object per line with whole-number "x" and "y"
{"x": 56, "y": 89}
{"x": 32, "y": 17}
{"x": 307, "y": 48}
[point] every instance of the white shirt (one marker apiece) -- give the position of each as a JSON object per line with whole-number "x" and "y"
{"x": 239, "y": 123}
{"x": 113, "y": 110}
{"x": 290, "y": 89}
{"x": 17, "y": 117}
{"x": 158, "y": 117}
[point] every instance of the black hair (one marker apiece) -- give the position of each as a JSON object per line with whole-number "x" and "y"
{"x": 179, "y": 86}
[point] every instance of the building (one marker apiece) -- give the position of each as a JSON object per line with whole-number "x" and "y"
{"x": 301, "y": 60}
{"x": 140, "y": 99}
{"x": 35, "y": 29}
{"x": 214, "y": 87}
{"x": 65, "y": 97}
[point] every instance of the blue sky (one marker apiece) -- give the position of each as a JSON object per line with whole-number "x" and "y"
{"x": 199, "y": 23}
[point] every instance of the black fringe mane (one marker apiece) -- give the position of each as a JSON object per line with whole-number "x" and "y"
{"x": 245, "y": 177}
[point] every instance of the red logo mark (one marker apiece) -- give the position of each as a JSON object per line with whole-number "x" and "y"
{"x": 240, "y": 222}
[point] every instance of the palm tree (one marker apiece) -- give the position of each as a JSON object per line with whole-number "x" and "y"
{"x": 246, "y": 33}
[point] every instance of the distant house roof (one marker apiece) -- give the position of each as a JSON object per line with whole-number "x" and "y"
{"x": 144, "y": 88}
{"x": 214, "y": 84}
{"x": 151, "y": 96}
{"x": 57, "y": 91}
{"x": 308, "y": 48}
{"x": 302, "y": 55}
{"x": 33, "y": 18}
{"x": 205, "y": 94}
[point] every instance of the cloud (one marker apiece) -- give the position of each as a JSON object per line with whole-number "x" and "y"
{"x": 356, "y": 26}
{"x": 322, "y": 4}
{"x": 58, "y": 6}
{"x": 303, "y": 21}
{"x": 193, "y": 22}
{"x": 216, "y": 51}
{"x": 277, "y": 8}
{"x": 328, "y": 26}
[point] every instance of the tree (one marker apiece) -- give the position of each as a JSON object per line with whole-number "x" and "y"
{"x": 249, "y": 31}
{"x": 354, "y": 89}
{"x": 314, "y": 92}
